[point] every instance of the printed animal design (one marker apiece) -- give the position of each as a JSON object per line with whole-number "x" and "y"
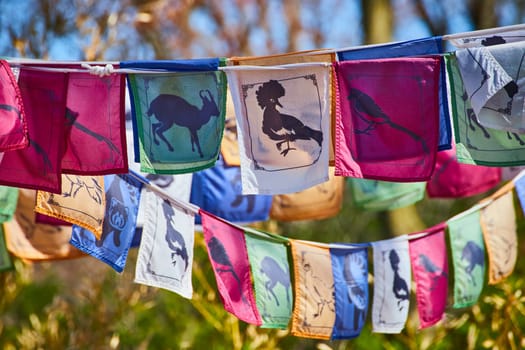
{"x": 116, "y": 215}
{"x": 318, "y": 289}
{"x": 430, "y": 267}
{"x": 76, "y": 183}
{"x": 355, "y": 271}
{"x": 174, "y": 238}
{"x": 474, "y": 256}
{"x": 172, "y": 109}
{"x": 223, "y": 263}
{"x": 163, "y": 181}
{"x": 281, "y": 127}
{"x": 276, "y": 275}
{"x": 399, "y": 287}
{"x": 239, "y": 197}
{"x": 369, "y": 112}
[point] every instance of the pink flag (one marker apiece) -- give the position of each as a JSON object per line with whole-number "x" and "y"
{"x": 13, "y": 124}
{"x": 228, "y": 255}
{"x": 387, "y": 120}
{"x": 38, "y": 166}
{"x": 95, "y": 114}
{"x": 430, "y": 269}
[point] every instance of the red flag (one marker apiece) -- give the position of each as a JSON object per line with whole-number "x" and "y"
{"x": 387, "y": 120}
{"x": 227, "y": 251}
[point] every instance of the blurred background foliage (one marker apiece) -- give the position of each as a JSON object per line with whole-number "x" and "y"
{"x": 81, "y": 304}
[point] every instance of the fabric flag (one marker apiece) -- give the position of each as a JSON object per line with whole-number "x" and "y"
{"x": 227, "y": 252}
{"x": 392, "y": 280}
{"x": 428, "y": 256}
{"x": 375, "y": 195}
{"x": 452, "y": 179}
{"x": 49, "y": 220}
{"x": 417, "y": 47}
{"x": 178, "y": 116}
{"x": 8, "y": 200}
{"x": 493, "y": 79}
{"x": 166, "y": 250}
{"x": 31, "y": 241}
{"x": 315, "y": 203}
{"x": 38, "y": 166}
{"x": 13, "y": 122}
{"x": 468, "y": 256}
{"x": 82, "y": 202}
{"x": 475, "y": 143}
{"x": 496, "y": 37}
{"x": 217, "y": 190}
{"x": 95, "y": 114}
{"x": 283, "y": 121}
{"x": 271, "y": 278}
{"x": 382, "y": 132}
{"x": 498, "y": 222}
{"x": 350, "y": 273}
{"x": 314, "y": 308}
{"x": 5, "y": 259}
{"x": 230, "y": 140}
{"x": 122, "y": 202}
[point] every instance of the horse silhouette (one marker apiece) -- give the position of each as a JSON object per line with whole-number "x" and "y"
{"x": 276, "y": 275}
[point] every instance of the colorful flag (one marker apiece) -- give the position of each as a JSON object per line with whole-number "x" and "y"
{"x": 95, "y": 115}
{"x": 31, "y": 241}
{"x": 8, "y": 200}
{"x": 452, "y": 179}
{"x": 283, "y": 121}
{"x": 315, "y": 203}
{"x": 392, "y": 281}
{"x": 428, "y": 257}
{"x": 230, "y": 140}
{"x": 498, "y": 222}
{"x": 166, "y": 249}
{"x": 122, "y": 202}
{"x": 13, "y": 125}
{"x": 468, "y": 256}
{"x": 38, "y": 166}
{"x": 417, "y": 47}
{"x": 314, "y": 308}
{"x": 5, "y": 259}
{"x": 350, "y": 273}
{"x": 496, "y": 37}
{"x": 383, "y": 132}
{"x": 82, "y": 202}
{"x": 271, "y": 278}
{"x": 227, "y": 252}
{"x": 217, "y": 190}
{"x": 375, "y": 195}
{"x": 178, "y": 116}
{"x": 475, "y": 143}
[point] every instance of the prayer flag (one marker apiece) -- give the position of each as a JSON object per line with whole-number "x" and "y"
{"x": 495, "y": 37}
{"x": 468, "y": 256}
{"x": 5, "y": 259}
{"x": 283, "y": 119}
{"x": 428, "y": 257}
{"x": 227, "y": 252}
{"x": 314, "y": 308}
{"x": 392, "y": 281}
{"x": 8, "y": 200}
{"x": 383, "y": 132}
{"x": 230, "y": 139}
{"x": 166, "y": 249}
{"x": 122, "y": 202}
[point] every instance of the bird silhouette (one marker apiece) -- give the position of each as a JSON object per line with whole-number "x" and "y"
{"x": 278, "y": 126}
{"x": 430, "y": 267}
{"x": 400, "y": 287}
{"x": 368, "y": 111}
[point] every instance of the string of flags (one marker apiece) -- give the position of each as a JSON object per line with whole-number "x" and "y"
{"x": 218, "y": 143}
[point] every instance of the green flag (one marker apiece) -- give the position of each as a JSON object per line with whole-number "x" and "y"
{"x": 8, "y": 200}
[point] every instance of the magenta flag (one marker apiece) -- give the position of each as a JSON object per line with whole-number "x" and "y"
{"x": 452, "y": 179}
{"x": 38, "y": 166}
{"x": 226, "y": 246}
{"x": 387, "y": 119}
{"x": 95, "y": 114}
{"x": 13, "y": 125}
{"x": 430, "y": 272}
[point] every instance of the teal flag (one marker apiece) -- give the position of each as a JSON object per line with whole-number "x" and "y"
{"x": 5, "y": 259}
{"x": 8, "y": 200}
{"x": 179, "y": 118}
{"x": 468, "y": 256}
{"x": 271, "y": 279}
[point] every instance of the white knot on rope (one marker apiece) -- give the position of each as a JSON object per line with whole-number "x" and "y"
{"x": 100, "y": 71}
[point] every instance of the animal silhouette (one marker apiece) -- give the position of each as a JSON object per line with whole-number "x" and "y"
{"x": 369, "y": 112}
{"x": 354, "y": 272}
{"x": 474, "y": 256}
{"x": 276, "y": 275}
{"x": 116, "y": 215}
{"x": 399, "y": 287}
{"x": 223, "y": 263}
{"x": 174, "y": 238}
{"x": 239, "y": 197}
{"x": 172, "y": 109}
{"x": 430, "y": 267}
{"x": 281, "y": 127}
{"x": 318, "y": 289}
{"x": 77, "y": 183}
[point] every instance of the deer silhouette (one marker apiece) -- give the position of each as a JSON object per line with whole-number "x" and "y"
{"x": 172, "y": 109}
